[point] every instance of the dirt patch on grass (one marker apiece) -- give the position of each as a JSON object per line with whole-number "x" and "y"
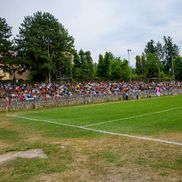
{"x": 113, "y": 159}
{"x": 3, "y": 145}
{"x": 29, "y": 154}
{"x": 177, "y": 136}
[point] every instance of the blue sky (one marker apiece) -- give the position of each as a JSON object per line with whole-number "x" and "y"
{"x": 105, "y": 25}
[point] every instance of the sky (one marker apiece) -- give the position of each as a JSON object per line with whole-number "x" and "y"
{"x": 105, "y": 25}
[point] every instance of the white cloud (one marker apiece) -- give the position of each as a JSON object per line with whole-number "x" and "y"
{"x": 106, "y": 25}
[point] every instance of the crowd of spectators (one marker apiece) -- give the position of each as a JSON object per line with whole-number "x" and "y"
{"x": 15, "y": 91}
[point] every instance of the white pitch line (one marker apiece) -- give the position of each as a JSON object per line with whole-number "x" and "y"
{"x": 131, "y": 117}
{"x": 104, "y": 132}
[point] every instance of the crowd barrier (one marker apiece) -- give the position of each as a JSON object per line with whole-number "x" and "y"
{"x": 54, "y": 101}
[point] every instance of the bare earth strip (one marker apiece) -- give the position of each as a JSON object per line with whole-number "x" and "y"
{"x": 29, "y": 154}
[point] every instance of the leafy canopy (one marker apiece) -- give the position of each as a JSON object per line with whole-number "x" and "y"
{"x": 44, "y": 43}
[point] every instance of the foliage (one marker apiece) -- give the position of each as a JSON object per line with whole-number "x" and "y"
{"x": 83, "y": 66}
{"x": 157, "y": 59}
{"x": 148, "y": 66}
{"x": 112, "y": 68}
{"x": 170, "y": 52}
{"x": 153, "y": 66}
{"x": 178, "y": 68}
{"x": 100, "y": 66}
{"x": 76, "y": 66}
{"x": 5, "y": 36}
{"x": 46, "y": 46}
{"x": 120, "y": 69}
{"x": 107, "y": 65}
{"x": 7, "y": 56}
{"x": 139, "y": 67}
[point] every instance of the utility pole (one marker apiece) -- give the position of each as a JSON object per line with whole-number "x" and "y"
{"x": 129, "y": 51}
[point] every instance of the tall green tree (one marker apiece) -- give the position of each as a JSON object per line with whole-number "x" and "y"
{"x": 138, "y": 65}
{"x": 148, "y": 66}
{"x": 7, "y": 55}
{"x": 153, "y": 67}
{"x": 170, "y": 52}
{"x": 6, "y": 44}
{"x": 154, "y": 48}
{"x": 178, "y": 68}
{"x": 141, "y": 68}
{"x": 43, "y": 43}
{"x": 150, "y": 47}
{"x": 76, "y": 66}
{"x": 120, "y": 69}
{"x": 100, "y": 70}
{"x": 87, "y": 66}
{"x": 154, "y": 55}
{"x": 159, "y": 51}
{"x": 106, "y": 69}
{"x": 83, "y": 66}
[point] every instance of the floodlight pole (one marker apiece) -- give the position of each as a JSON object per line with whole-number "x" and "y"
{"x": 129, "y": 51}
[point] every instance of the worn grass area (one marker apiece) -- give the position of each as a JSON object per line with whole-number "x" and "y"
{"x": 79, "y": 155}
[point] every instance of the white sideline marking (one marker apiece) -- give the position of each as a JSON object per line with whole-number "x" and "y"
{"x": 131, "y": 117}
{"x": 104, "y": 132}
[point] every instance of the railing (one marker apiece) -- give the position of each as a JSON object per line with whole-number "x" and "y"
{"x": 54, "y": 101}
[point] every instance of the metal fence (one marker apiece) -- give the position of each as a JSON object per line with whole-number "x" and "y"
{"x": 54, "y": 101}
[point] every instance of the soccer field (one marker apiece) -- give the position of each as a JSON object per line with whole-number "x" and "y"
{"x": 151, "y": 117}
{"x": 99, "y": 142}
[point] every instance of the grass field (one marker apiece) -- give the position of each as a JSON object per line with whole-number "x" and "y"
{"x": 116, "y": 141}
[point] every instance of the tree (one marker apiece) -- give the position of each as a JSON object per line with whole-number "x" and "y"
{"x": 116, "y": 69}
{"x": 64, "y": 66}
{"x": 89, "y": 66}
{"x": 7, "y": 61}
{"x": 178, "y": 68}
{"x": 170, "y": 52}
{"x": 154, "y": 48}
{"x": 110, "y": 67}
{"x": 45, "y": 46}
{"x": 83, "y": 66}
{"x": 100, "y": 65}
{"x": 159, "y": 51}
{"x": 150, "y": 47}
{"x": 148, "y": 66}
{"x": 153, "y": 66}
{"x": 120, "y": 69}
{"x": 138, "y": 65}
{"x": 6, "y": 45}
{"x": 76, "y": 66}
{"x": 141, "y": 68}
{"x": 155, "y": 54}
{"x": 106, "y": 68}
{"x": 126, "y": 70}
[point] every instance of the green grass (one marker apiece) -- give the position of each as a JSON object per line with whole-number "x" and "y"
{"x": 152, "y": 125}
{"x": 22, "y": 169}
{"x": 8, "y": 135}
{"x": 108, "y": 156}
{"x": 76, "y": 154}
